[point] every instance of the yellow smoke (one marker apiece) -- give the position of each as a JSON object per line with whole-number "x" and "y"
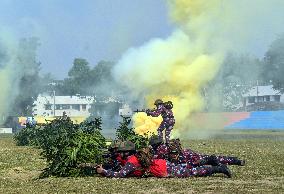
{"x": 144, "y": 124}
{"x": 176, "y": 68}
{"x": 179, "y": 67}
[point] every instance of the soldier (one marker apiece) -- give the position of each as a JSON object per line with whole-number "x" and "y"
{"x": 179, "y": 155}
{"x": 111, "y": 157}
{"x": 125, "y": 150}
{"x": 131, "y": 167}
{"x": 143, "y": 163}
{"x": 160, "y": 150}
{"x": 116, "y": 158}
{"x": 165, "y": 110}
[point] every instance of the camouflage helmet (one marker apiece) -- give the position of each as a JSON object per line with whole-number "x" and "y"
{"x": 155, "y": 140}
{"x": 158, "y": 101}
{"x": 126, "y": 146}
{"x": 175, "y": 146}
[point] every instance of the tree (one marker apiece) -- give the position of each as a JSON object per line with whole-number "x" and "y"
{"x": 79, "y": 69}
{"x": 274, "y": 63}
{"x": 237, "y": 74}
{"x": 78, "y": 79}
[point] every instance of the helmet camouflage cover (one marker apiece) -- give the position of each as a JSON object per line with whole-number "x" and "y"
{"x": 158, "y": 101}
{"x": 126, "y": 146}
{"x": 154, "y": 140}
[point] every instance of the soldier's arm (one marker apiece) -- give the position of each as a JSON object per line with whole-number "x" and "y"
{"x": 154, "y": 112}
{"x": 126, "y": 170}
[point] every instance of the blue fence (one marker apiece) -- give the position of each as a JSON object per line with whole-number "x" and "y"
{"x": 263, "y": 120}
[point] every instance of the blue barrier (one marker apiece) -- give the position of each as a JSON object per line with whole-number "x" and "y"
{"x": 261, "y": 120}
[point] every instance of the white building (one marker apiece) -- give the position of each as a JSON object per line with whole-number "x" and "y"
{"x": 74, "y": 106}
{"x": 125, "y": 110}
{"x": 262, "y": 94}
{"x": 6, "y": 130}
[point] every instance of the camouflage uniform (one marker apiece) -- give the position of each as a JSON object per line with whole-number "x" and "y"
{"x": 163, "y": 168}
{"x": 161, "y": 152}
{"x": 168, "y": 118}
{"x": 184, "y": 170}
{"x": 111, "y": 157}
{"x": 196, "y": 159}
{"x": 117, "y": 160}
{"x": 131, "y": 168}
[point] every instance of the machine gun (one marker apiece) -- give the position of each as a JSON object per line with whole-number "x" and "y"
{"x": 139, "y": 110}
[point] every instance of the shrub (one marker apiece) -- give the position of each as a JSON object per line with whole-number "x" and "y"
{"x": 65, "y": 145}
{"x": 27, "y": 136}
{"x": 124, "y": 133}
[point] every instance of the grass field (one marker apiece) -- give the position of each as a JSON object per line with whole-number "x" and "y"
{"x": 264, "y": 172}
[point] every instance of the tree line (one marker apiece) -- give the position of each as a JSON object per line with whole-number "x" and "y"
{"x": 238, "y": 73}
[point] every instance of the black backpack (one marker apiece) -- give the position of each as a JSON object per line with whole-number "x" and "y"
{"x": 169, "y": 105}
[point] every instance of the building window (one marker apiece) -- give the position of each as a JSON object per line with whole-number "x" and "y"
{"x": 277, "y": 98}
{"x": 76, "y": 107}
{"x": 267, "y": 98}
{"x": 58, "y": 106}
{"x": 84, "y": 107}
{"x": 260, "y": 99}
{"x": 251, "y": 99}
{"x": 47, "y": 107}
{"x": 65, "y": 106}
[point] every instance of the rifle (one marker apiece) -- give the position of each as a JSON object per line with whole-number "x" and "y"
{"x": 139, "y": 110}
{"x": 93, "y": 166}
{"x": 88, "y": 165}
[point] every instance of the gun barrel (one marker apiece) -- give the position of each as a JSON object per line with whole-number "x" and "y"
{"x": 138, "y": 110}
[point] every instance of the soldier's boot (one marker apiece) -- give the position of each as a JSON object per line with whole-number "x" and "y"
{"x": 221, "y": 169}
{"x": 211, "y": 160}
{"x": 236, "y": 161}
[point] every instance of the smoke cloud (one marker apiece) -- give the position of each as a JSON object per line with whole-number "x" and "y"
{"x": 16, "y": 61}
{"x": 179, "y": 67}
{"x": 8, "y": 72}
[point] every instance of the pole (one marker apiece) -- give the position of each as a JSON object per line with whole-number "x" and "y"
{"x": 54, "y": 103}
{"x": 256, "y": 90}
{"x": 257, "y": 95}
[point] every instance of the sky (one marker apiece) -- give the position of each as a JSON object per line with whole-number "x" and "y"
{"x": 102, "y": 29}
{"x": 92, "y": 29}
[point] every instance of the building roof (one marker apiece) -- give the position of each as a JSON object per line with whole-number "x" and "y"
{"x": 43, "y": 99}
{"x": 262, "y": 91}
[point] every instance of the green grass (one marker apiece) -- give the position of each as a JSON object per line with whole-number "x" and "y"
{"x": 264, "y": 172}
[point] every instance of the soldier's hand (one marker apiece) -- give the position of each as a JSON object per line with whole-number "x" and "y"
{"x": 100, "y": 169}
{"x": 147, "y": 111}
